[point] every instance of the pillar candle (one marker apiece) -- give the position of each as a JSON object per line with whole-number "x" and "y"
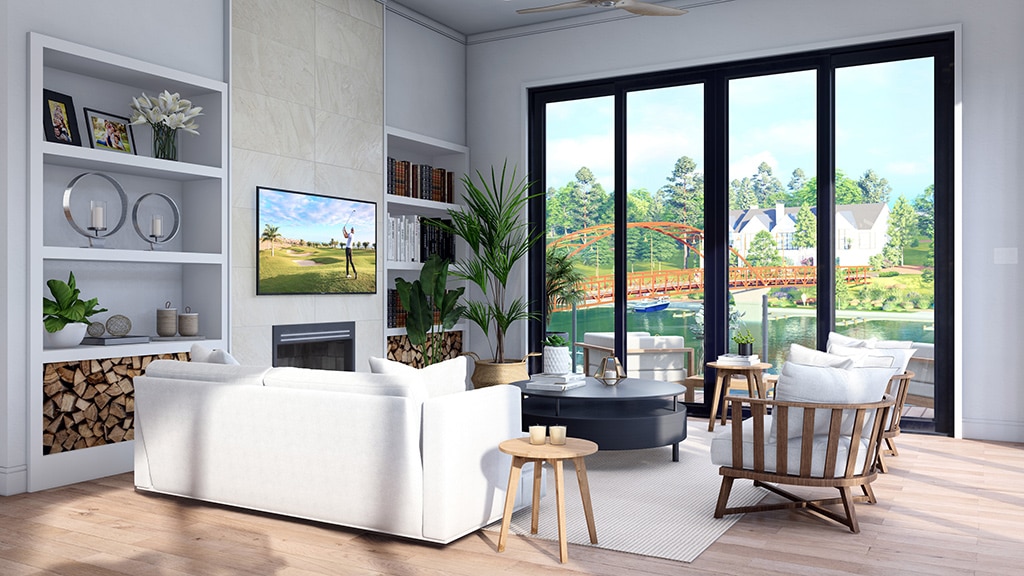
{"x": 558, "y": 435}
{"x": 99, "y": 216}
{"x": 157, "y": 228}
{"x": 537, "y": 434}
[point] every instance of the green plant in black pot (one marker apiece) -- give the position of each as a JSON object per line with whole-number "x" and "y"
{"x": 431, "y": 307}
{"x": 744, "y": 342}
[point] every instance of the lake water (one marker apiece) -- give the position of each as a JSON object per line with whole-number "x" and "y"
{"x": 784, "y": 327}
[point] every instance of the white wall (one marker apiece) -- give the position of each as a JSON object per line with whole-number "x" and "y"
{"x": 992, "y": 69}
{"x": 308, "y": 115}
{"x": 426, "y": 77}
{"x": 190, "y": 37}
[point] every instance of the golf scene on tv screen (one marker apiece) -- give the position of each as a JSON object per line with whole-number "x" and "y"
{"x": 313, "y": 244}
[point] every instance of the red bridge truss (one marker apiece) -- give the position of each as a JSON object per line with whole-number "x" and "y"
{"x": 600, "y": 290}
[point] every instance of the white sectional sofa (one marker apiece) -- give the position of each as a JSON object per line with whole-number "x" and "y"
{"x": 381, "y": 452}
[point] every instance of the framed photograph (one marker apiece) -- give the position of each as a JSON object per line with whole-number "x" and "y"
{"x": 59, "y": 121}
{"x": 110, "y": 132}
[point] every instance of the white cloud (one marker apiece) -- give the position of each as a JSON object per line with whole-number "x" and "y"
{"x": 747, "y": 165}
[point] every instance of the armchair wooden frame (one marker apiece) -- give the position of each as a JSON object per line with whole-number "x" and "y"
{"x": 852, "y": 475}
{"x": 898, "y": 387}
{"x": 606, "y": 351}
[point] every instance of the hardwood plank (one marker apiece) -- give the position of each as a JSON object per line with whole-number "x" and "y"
{"x": 946, "y": 507}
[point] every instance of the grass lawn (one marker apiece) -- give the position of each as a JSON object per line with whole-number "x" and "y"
{"x": 309, "y": 270}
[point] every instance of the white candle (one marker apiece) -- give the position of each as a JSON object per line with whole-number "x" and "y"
{"x": 610, "y": 374}
{"x": 99, "y": 216}
{"x": 537, "y": 434}
{"x": 558, "y": 435}
{"x": 157, "y": 227}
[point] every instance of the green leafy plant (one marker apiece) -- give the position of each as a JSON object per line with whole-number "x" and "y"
{"x": 556, "y": 340}
{"x": 66, "y": 307}
{"x": 493, "y": 226}
{"x": 563, "y": 282}
{"x": 743, "y": 337}
{"x": 431, "y": 307}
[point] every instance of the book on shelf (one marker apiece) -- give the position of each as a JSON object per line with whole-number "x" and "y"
{"x": 559, "y": 378}
{"x": 554, "y": 386}
{"x": 422, "y": 181}
{"x": 737, "y": 360}
{"x": 115, "y": 340}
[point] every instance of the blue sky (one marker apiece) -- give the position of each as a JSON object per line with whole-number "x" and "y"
{"x": 883, "y": 122}
{"x": 316, "y": 218}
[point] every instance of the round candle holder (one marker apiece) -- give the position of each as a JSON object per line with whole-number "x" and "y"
{"x": 155, "y": 238}
{"x": 96, "y": 234}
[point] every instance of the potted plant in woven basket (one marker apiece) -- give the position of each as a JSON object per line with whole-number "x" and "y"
{"x": 497, "y": 237}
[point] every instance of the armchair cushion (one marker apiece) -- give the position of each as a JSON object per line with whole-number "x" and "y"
{"x": 808, "y": 356}
{"x": 822, "y": 384}
{"x": 897, "y": 358}
{"x": 837, "y": 339}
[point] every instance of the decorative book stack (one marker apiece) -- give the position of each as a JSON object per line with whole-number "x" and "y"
{"x": 737, "y": 360}
{"x": 556, "y": 382}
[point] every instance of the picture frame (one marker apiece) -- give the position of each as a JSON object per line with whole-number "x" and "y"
{"x": 60, "y": 124}
{"x": 109, "y": 131}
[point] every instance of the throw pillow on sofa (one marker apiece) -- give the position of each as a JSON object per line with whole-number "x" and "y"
{"x": 200, "y": 353}
{"x": 442, "y": 378}
{"x": 897, "y": 358}
{"x": 810, "y": 357}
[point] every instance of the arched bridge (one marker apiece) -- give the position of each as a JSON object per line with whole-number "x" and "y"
{"x": 600, "y": 290}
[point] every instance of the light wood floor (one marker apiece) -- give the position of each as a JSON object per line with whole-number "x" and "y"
{"x": 947, "y": 507}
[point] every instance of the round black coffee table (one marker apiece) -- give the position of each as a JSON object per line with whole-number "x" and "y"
{"x": 633, "y": 414}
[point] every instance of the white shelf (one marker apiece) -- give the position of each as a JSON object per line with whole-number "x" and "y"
{"x": 128, "y": 278}
{"x": 398, "y": 205}
{"x": 106, "y": 161}
{"x": 114, "y": 255}
{"x": 459, "y": 327}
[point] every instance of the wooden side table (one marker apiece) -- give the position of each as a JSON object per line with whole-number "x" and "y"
{"x": 724, "y": 373}
{"x": 522, "y": 452}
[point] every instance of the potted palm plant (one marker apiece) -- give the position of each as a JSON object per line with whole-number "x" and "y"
{"x": 497, "y": 238}
{"x": 432, "y": 308}
{"x": 66, "y": 316}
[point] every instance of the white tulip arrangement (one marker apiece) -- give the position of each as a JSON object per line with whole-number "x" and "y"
{"x": 168, "y": 109}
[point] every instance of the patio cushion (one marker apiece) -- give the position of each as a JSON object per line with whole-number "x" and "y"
{"x": 810, "y": 357}
{"x": 897, "y": 358}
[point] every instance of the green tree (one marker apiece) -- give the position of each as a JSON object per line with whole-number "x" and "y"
{"x": 271, "y": 234}
{"x": 767, "y": 188}
{"x": 764, "y": 250}
{"x": 842, "y": 292}
{"x": 874, "y": 189}
{"x": 741, "y": 194}
{"x": 806, "y": 233}
{"x": 924, "y": 207}
{"x": 902, "y": 223}
{"x": 797, "y": 180}
{"x": 684, "y": 194}
{"x": 847, "y": 191}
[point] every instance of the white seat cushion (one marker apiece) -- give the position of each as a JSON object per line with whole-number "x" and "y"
{"x": 205, "y": 372}
{"x": 400, "y": 385}
{"x": 809, "y": 357}
{"x": 897, "y": 358}
{"x": 721, "y": 451}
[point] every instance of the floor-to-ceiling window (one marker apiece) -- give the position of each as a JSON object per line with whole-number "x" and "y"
{"x": 789, "y": 196}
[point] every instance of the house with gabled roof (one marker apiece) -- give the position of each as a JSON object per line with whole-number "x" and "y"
{"x": 860, "y": 231}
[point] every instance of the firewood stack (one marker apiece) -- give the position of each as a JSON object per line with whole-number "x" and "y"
{"x": 400, "y": 350}
{"x": 91, "y": 402}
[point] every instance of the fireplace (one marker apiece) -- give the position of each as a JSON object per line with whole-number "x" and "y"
{"x": 324, "y": 346}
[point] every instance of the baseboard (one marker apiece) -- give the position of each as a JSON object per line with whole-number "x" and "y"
{"x": 13, "y": 480}
{"x": 997, "y": 431}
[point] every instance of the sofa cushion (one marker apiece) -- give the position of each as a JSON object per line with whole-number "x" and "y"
{"x": 836, "y": 339}
{"x": 205, "y": 372}
{"x": 826, "y": 385}
{"x": 439, "y": 379}
{"x": 810, "y": 357}
{"x": 897, "y": 358}
{"x": 399, "y": 385}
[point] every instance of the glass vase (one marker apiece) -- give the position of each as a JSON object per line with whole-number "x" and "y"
{"x": 165, "y": 142}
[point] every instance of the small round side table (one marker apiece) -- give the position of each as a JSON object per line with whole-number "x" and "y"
{"x": 724, "y": 374}
{"x": 522, "y": 452}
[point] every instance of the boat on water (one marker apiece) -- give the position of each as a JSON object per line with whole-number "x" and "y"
{"x": 650, "y": 304}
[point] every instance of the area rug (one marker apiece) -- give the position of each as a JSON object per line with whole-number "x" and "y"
{"x": 644, "y": 503}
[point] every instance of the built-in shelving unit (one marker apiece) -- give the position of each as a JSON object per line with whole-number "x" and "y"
{"x": 419, "y": 149}
{"x": 127, "y": 275}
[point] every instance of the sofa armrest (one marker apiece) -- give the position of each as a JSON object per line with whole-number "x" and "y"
{"x": 465, "y": 476}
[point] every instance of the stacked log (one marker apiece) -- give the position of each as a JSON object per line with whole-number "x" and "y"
{"x": 401, "y": 350}
{"x": 91, "y": 402}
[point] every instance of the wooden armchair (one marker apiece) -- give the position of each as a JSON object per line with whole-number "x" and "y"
{"x": 835, "y": 446}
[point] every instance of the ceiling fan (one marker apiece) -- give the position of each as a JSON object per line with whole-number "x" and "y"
{"x": 634, "y": 6}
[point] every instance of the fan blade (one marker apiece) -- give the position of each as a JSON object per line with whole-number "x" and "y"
{"x": 645, "y": 9}
{"x": 562, "y": 6}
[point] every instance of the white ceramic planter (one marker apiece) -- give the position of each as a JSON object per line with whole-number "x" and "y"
{"x": 557, "y": 360}
{"x": 69, "y": 337}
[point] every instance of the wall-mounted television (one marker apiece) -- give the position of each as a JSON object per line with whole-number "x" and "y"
{"x": 313, "y": 244}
